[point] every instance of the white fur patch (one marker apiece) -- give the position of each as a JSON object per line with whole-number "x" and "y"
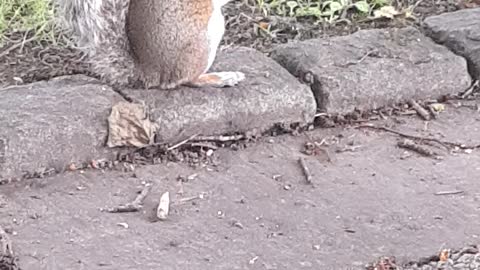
{"x": 215, "y": 31}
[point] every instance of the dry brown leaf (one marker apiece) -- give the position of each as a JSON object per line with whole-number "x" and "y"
{"x": 129, "y": 125}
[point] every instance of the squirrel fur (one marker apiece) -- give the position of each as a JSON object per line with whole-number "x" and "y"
{"x": 156, "y": 43}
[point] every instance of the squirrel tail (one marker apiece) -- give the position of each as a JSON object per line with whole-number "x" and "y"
{"x": 98, "y": 28}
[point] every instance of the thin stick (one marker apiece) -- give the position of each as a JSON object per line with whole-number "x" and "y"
{"x": 220, "y": 138}
{"x": 181, "y": 142}
{"x": 16, "y": 46}
{"x": 451, "y": 192}
{"x": 306, "y": 171}
{"x": 134, "y": 206}
{"x": 420, "y": 110}
{"x": 411, "y": 145}
{"x": 470, "y": 89}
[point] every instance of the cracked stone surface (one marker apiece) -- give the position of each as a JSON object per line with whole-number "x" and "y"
{"x": 267, "y": 96}
{"x": 459, "y": 31}
{"x": 51, "y": 124}
{"x": 374, "y": 68}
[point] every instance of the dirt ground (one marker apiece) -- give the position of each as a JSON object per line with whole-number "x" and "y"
{"x": 368, "y": 198}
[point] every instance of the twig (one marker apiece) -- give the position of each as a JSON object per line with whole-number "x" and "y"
{"x": 411, "y": 145}
{"x": 306, "y": 171}
{"x": 203, "y": 145}
{"x": 189, "y": 199}
{"x": 432, "y": 111}
{"x": 220, "y": 138}
{"x": 445, "y": 144}
{"x": 367, "y": 54}
{"x": 5, "y": 244}
{"x": 181, "y": 142}
{"x": 16, "y": 46}
{"x": 420, "y": 110}
{"x": 134, "y": 206}
{"x": 451, "y": 192}
{"x": 470, "y": 89}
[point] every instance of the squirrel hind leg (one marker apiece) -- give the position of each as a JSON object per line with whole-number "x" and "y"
{"x": 218, "y": 79}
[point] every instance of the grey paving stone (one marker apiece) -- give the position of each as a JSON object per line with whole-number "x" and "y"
{"x": 269, "y": 95}
{"x": 51, "y": 124}
{"x": 374, "y": 68}
{"x": 459, "y": 31}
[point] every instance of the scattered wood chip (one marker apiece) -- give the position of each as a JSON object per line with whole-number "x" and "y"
{"x": 134, "y": 206}
{"x": 253, "y": 260}
{"x": 163, "y": 206}
{"x": 444, "y": 255}
{"x": 123, "y": 224}
{"x": 306, "y": 171}
{"x": 411, "y": 145}
{"x": 420, "y": 110}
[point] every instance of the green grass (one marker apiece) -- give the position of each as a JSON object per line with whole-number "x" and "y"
{"x": 328, "y": 11}
{"x": 34, "y": 17}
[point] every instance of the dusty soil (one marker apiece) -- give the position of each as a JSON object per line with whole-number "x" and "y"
{"x": 32, "y": 61}
{"x": 368, "y": 198}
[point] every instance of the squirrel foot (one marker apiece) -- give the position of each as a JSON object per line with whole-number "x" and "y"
{"x": 218, "y": 79}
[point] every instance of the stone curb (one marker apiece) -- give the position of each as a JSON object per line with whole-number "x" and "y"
{"x": 374, "y": 68}
{"x": 48, "y": 125}
{"x": 55, "y": 123}
{"x": 460, "y": 32}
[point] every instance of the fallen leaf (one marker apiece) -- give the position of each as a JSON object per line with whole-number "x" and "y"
{"x": 129, "y": 125}
{"x": 386, "y": 12}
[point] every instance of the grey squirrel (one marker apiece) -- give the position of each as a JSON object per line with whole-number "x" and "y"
{"x": 157, "y": 43}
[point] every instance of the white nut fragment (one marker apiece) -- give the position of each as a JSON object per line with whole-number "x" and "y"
{"x": 163, "y": 206}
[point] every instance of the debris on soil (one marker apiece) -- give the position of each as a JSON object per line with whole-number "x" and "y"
{"x": 221, "y": 138}
{"x": 464, "y": 258}
{"x": 163, "y": 206}
{"x": 26, "y": 62}
{"x": 420, "y": 110}
{"x": 383, "y": 263}
{"x": 129, "y": 125}
{"x": 8, "y": 261}
{"x": 315, "y": 148}
{"x": 411, "y": 145}
{"x": 471, "y": 90}
{"x": 134, "y": 206}
{"x": 306, "y": 171}
{"x": 445, "y": 144}
{"x": 189, "y": 199}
